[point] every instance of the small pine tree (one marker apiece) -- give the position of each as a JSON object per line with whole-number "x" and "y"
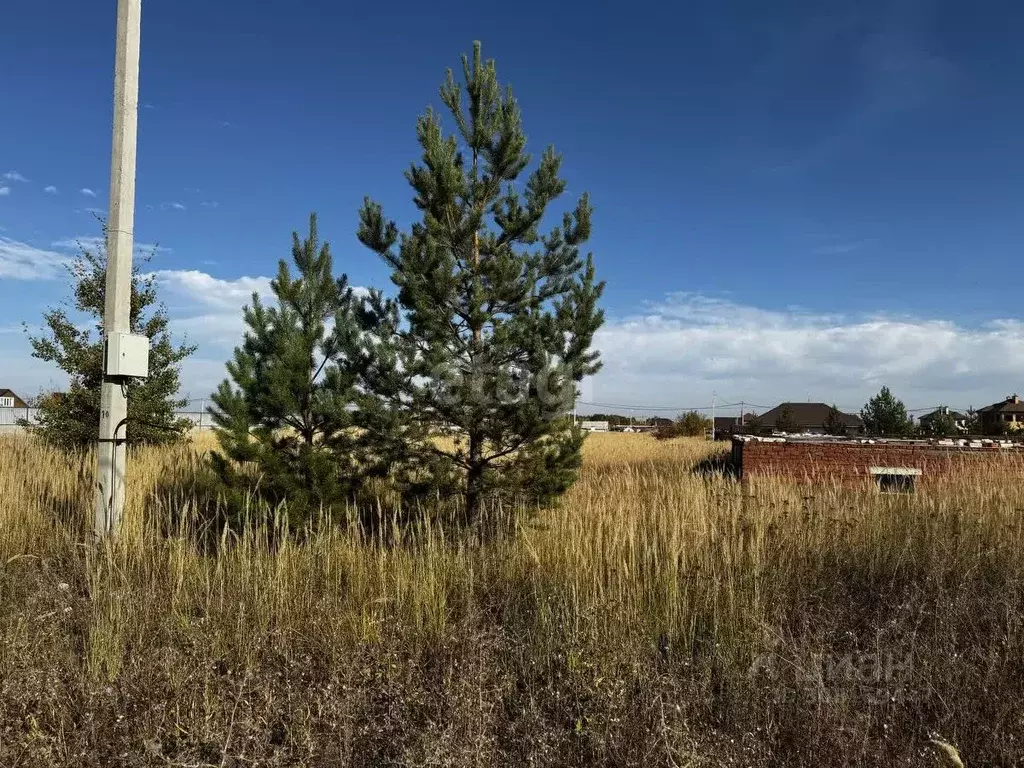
{"x": 498, "y": 319}
{"x": 835, "y": 424}
{"x": 885, "y": 415}
{"x": 786, "y": 420}
{"x": 284, "y": 418}
{"x": 71, "y": 419}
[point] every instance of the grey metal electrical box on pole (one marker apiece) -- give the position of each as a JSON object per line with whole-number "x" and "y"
{"x": 127, "y": 356}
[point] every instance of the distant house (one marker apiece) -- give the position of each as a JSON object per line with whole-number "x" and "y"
{"x": 960, "y": 419}
{"x": 809, "y": 418}
{"x": 594, "y": 426}
{"x": 10, "y": 400}
{"x": 632, "y": 428}
{"x": 727, "y": 426}
{"x": 997, "y": 417}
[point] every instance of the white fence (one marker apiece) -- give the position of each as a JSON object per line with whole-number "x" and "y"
{"x": 10, "y": 418}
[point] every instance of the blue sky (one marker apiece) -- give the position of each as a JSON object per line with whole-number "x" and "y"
{"x": 793, "y": 200}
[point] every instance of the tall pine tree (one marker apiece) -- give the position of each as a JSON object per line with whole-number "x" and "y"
{"x": 497, "y": 319}
{"x": 886, "y": 415}
{"x": 71, "y": 419}
{"x": 284, "y": 418}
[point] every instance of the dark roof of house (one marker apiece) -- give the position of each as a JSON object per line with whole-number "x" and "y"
{"x": 955, "y": 414}
{"x": 1012, "y": 404}
{"x": 724, "y": 422}
{"x": 18, "y": 402}
{"x": 808, "y": 415}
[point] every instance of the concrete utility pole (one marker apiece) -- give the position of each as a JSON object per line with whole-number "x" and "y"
{"x": 714, "y": 397}
{"x": 113, "y": 402}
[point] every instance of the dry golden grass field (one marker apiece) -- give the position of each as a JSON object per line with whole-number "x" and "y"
{"x": 659, "y": 616}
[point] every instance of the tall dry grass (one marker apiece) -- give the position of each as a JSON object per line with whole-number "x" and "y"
{"x": 659, "y": 616}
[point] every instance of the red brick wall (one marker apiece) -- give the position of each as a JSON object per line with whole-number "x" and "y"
{"x": 848, "y": 463}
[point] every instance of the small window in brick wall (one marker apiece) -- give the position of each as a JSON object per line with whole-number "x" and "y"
{"x": 895, "y": 479}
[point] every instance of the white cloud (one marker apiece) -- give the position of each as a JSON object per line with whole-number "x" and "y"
{"x": 678, "y": 352}
{"x": 14, "y": 176}
{"x": 151, "y": 248}
{"x": 681, "y": 351}
{"x": 89, "y": 243}
{"x": 172, "y": 206}
{"x": 96, "y": 243}
{"x": 840, "y": 248}
{"x": 21, "y": 261}
{"x": 5, "y": 191}
{"x": 87, "y": 192}
{"x": 675, "y": 353}
{"x": 25, "y": 374}
{"x": 50, "y": 190}
{"x": 210, "y": 204}
{"x": 202, "y": 289}
{"x": 207, "y": 310}
{"x": 200, "y": 376}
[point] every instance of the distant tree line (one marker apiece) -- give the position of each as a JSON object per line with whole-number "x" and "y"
{"x": 618, "y": 420}
{"x": 690, "y": 424}
{"x": 884, "y": 415}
